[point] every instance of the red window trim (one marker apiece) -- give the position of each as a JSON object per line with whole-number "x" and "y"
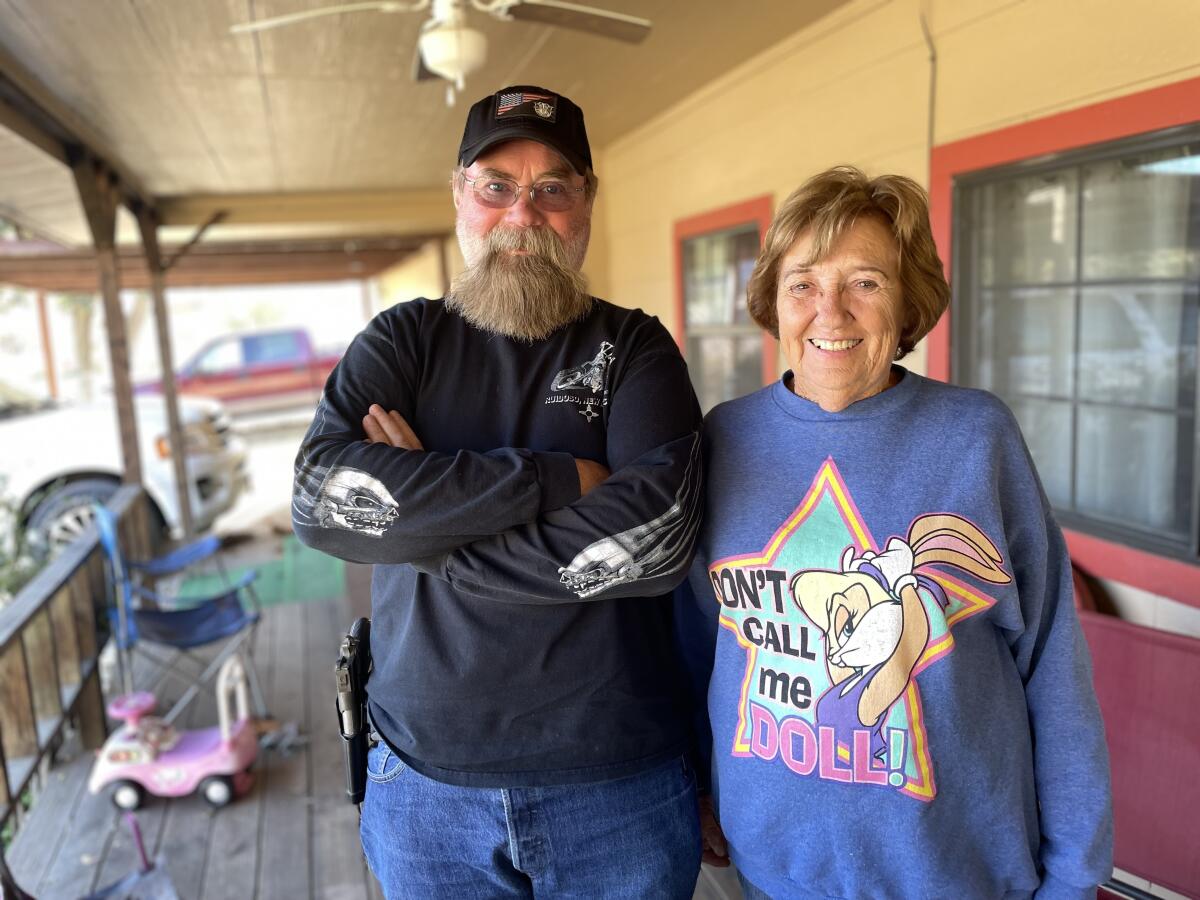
{"x": 1146, "y": 111}
{"x": 756, "y": 211}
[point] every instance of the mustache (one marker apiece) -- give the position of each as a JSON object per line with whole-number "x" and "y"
{"x": 538, "y": 241}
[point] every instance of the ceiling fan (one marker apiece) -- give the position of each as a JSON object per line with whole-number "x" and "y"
{"x": 450, "y": 49}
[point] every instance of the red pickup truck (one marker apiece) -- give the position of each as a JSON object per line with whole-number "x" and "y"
{"x": 256, "y": 371}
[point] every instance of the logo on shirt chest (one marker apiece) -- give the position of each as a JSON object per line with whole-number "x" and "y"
{"x": 831, "y": 629}
{"x": 585, "y": 385}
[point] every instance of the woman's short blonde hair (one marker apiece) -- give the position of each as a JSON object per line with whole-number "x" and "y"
{"x": 829, "y": 204}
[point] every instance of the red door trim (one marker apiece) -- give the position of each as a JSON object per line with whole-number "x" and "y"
{"x": 1152, "y": 110}
{"x": 757, "y": 211}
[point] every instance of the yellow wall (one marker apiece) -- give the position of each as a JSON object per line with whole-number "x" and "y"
{"x": 419, "y": 275}
{"x": 855, "y": 88}
{"x": 596, "y": 266}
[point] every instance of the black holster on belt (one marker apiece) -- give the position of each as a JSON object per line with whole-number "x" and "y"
{"x": 351, "y": 671}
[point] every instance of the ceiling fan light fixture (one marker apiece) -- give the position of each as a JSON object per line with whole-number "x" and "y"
{"x": 452, "y": 50}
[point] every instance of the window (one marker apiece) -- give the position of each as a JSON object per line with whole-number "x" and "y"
{"x": 1077, "y": 292}
{"x": 726, "y": 352}
{"x": 222, "y": 357}
{"x": 273, "y": 349}
{"x": 724, "y": 346}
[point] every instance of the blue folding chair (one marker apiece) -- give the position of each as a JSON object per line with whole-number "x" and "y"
{"x": 141, "y": 617}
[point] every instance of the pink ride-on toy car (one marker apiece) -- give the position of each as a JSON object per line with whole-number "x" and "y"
{"x": 147, "y": 755}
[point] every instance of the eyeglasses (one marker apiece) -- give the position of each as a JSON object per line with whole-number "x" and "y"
{"x": 501, "y": 193}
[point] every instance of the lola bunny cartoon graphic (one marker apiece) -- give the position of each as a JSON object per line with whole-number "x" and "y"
{"x": 874, "y": 621}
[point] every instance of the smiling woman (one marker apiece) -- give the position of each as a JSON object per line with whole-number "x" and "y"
{"x": 839, "y": 315}
{"x": 883, "y": 616}
{"x": 849, "y": 271}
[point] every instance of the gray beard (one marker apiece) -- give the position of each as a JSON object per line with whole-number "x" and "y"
{"x": 523, "y": 297}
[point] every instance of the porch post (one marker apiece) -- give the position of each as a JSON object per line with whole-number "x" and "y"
{"x": 98, "y": 195}
{"x": 148, "y": 225}
{"x": 47, "y": 345}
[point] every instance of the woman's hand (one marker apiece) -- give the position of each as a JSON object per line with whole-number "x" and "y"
{"x": 712, "y": 839}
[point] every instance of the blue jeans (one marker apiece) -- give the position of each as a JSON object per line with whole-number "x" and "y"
{"x": 629, "y": 838}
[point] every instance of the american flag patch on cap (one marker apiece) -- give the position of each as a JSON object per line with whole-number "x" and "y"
{"x": 523, "y": 103}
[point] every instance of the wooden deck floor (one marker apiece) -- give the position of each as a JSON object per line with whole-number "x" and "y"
{"x": 293, "y": 836}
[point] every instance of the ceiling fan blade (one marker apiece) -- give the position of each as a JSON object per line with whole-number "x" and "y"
{"x": 602, "y": 22}
{"x": 290, "y": 18}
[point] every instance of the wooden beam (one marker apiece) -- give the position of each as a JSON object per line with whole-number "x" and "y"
{"x": 289, "y": 273}
{"x": 18, "y": 723}
{"x": 98, "y": 196}
{"x": 66, "y": 641}
{"x": 148, "y": 225}
{"x": 179, "y": 254}
{"x": 118, "y": 354}
{"x": 93, "y": 726}
{"x": 41, "y": 660}
{"x": 19, "y": 123}
{"x": 402, "y": 212}
{"x": 45, "y": 121}
{"x": 214, "y": 264}
{"x": 47, "y": 345}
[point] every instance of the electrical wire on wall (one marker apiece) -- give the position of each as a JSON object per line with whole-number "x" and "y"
{"x": 932, "y": 94}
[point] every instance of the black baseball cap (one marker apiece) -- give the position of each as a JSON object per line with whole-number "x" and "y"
{"x": 527, "y": 111}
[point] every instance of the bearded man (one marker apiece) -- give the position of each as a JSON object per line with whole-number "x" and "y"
{"x": 520, "y": 461}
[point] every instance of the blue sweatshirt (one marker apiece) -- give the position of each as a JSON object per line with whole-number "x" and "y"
{"x": 900, "y": 698}
{"x": 521, "y": 634}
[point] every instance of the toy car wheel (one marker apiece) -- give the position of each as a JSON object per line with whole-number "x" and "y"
{"x": 217, "y": 790}
{"x": 128, "y": 795}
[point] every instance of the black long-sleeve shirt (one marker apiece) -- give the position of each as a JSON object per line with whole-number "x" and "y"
{"x": 521, "y": 634}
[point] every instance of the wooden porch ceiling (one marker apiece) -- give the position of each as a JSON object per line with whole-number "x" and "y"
{"x": 46, "y": 267}
{"x": 320, "y": 119}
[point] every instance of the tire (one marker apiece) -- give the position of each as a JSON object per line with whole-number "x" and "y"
{"x": 217, "y": 790}
{"x": 64, "y": 513}
{"x": 160, "y": 533}
{"x": 127, "y": 795}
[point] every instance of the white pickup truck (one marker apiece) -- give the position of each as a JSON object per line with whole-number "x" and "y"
{"x": 57, "y": 460}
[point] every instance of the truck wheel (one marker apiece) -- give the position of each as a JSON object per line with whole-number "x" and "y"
{"x": 62, "y": 515}
{"x": 128, "y": 795}
{"x": 217, "y": 790}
